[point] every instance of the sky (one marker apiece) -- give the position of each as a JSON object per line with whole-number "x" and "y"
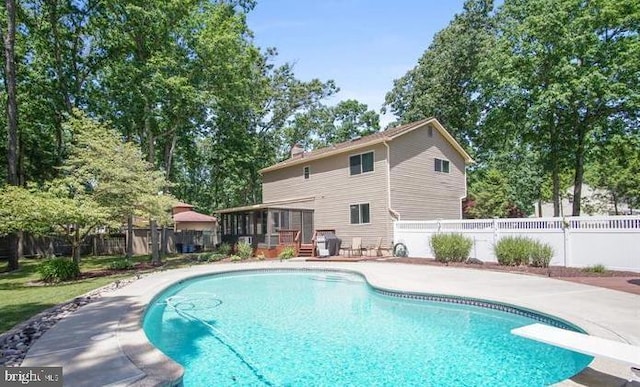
{"x": 361, "y": 44}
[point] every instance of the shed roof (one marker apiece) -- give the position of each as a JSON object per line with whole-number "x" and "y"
{"x": 192, "y": 216}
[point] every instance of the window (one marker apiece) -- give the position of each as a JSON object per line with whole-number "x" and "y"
{"x": 361, "y": 163}
{"x": 360, "y": 213}
{"x": 442, "y": 166}
{"x": 306, "y": 171}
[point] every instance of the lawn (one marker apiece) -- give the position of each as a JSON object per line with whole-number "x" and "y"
{"x": 24, "y": 296}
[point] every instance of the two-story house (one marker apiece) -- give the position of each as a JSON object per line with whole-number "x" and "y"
{"x": 357, "y": 188}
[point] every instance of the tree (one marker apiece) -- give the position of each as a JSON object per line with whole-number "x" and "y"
{"x": 615, "y": 168}
{"x": 564, "y": 71}
{"x": 491, "y": 196}
{"x": 444, "y": 84}
{"x": 10, "y": 82}
{"x": 110, "y": 178}
{"x": 321, "y": 126}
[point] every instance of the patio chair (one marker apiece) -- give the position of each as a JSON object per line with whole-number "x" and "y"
{"x": 379, "y": 248}
{"x": 354, "y": 247}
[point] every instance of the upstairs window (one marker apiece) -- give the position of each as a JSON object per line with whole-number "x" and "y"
{"x": 442, "y": 166}
{"x": 359, "y": 213}
{"x": 361, "y": 163}
{"x": 306, "y": 172}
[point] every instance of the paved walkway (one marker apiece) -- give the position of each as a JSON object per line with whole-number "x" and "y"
{"x": 103, "y": 342}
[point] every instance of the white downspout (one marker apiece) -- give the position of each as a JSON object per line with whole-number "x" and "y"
{"x": 393, "y": 212}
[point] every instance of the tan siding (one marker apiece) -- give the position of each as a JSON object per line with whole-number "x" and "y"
{"x": 418, "y": 192}
{"x": 334, "y": 190}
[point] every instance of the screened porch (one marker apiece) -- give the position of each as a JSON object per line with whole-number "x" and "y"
{"x": 266, "y": 227}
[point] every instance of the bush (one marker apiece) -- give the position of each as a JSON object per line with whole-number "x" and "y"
{"x": 541, "y": 254}
{"x": 235, "y": 258}
{"x": 287, "y": 252}
{"x": 451, "y": 247}
{"x": 58, "y": 269}
{"x": 513, "y": 251}
{"x": 122, "y": 264}
{"x": 224, "y": 249}
{"x": 244, "y": 250}
{"x": 215, "y": 257}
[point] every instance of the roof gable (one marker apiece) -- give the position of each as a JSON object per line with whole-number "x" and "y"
{"x": 372, "y": 139}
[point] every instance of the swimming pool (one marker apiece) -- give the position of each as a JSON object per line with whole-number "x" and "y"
{"x": 328, "y": 328}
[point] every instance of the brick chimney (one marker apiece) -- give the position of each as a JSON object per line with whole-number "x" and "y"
{"x": 296, "y": 151}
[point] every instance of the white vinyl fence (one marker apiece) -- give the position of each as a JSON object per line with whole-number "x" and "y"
{"x": 613, "y": 241}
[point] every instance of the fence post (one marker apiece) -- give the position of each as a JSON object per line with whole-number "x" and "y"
{"x": 567, "y": 240}
{"x": 496, "y": 235}
{"x": 439, "y": 226}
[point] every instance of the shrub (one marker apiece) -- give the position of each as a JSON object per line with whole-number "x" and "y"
{"x": 58, "y": 269}
{"x": 235, "y": 258}
{"x": 287, "y": 252}
{"x": 203, "y": 257}
{"x": 451, "y": 247}
{"x": 224, "y": 249}
{"x": 541, "y": 254}
{"x": 122, "y": 264}
{"x": 513, "y": 251}
{"x": 215, "y": 257}
{"x": 599, "y": 268}
{"x": 244, "y": 250}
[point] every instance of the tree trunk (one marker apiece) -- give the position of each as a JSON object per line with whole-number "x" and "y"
{"x": 155, "y": 254}
{"x": 556, "y": 191}
{"x": 75, "y": 246}
{"x": 539, "y": 208}
{"x": 10, "y": 81}
{"x": 129, "y": 252}
{"x": 579, "y": 173}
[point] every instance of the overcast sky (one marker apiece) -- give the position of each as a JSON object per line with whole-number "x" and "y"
{"x": 361, "y": 44}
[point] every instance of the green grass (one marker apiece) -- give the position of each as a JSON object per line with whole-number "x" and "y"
{"x": 24, "y": 296}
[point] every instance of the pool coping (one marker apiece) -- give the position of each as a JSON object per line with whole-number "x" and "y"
{"x": 155, "y": 368}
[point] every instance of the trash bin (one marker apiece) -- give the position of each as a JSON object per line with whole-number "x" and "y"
{"x": 179, "y": 248}
{"x": 323, "y": 251}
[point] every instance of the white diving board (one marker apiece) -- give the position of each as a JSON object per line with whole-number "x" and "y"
{"x": 579, "y": 342}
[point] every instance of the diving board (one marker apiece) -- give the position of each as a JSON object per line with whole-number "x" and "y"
{"x": 579, "y": 342}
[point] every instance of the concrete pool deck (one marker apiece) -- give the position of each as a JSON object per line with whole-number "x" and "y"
{"x": 103, "y": 343}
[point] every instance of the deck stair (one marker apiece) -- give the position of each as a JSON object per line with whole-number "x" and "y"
{"x": 306, "y": 250}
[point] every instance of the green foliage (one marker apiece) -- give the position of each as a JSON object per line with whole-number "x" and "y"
{"x": 599, "y": 268}
{"x": 224, "y": 249}
{"x": 322, "y": 125}
{"x": 235, "y": 258}
{"x": 516, "y": 251}
{"x": 451, "y": 247}
{"x": 513, "y": 251}
{"x": 121, "y": 264}
{"x": 287, "y": 252}
{"x": 540, "y": 254}
{"x": 58, "y": 269}
{"x": 244, "y": 250}
{"x": 491, "y": 195}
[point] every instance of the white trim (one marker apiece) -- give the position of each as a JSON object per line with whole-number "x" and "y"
{"x": 394, "y": 214}
{"x": 359, "y": 213}
{"x": 373, "y": 165}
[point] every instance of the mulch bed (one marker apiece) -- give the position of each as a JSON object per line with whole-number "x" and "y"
{"x": 552, "y": 271}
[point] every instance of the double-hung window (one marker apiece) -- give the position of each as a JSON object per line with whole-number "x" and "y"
{"x": 442, "y": 166}
{"x": 306, "y": 172}
{"x": 360, "y": 213}
{"x": 361, "y": 163}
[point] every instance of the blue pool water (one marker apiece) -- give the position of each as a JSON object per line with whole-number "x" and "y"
{"x": 323, "y": 328}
